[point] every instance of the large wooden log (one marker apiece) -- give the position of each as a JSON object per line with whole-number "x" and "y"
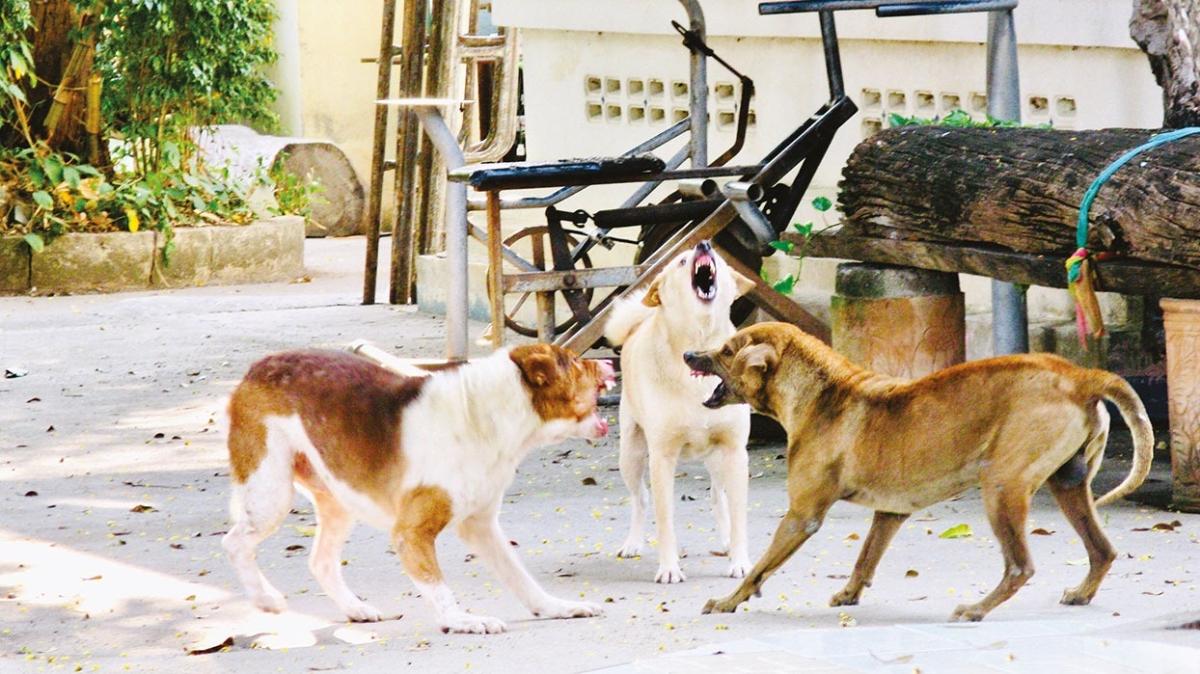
{"x": 1021, "y": 188}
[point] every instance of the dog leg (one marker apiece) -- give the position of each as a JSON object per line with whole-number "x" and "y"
{"x": 798, "y": 525}
{"x": 718, "y": 499}
{"x": 425, "y": 511}
{"x": 483, "y": 535}
{"x": 258, "y": 507}
{"x": 633, "y": 471}
{"x": 662, "y": 485}
{"x": 1007, "y": 505}
{"x": 1071, "y": 488}
{"x": 732, "y": 476}
{"x": 883, "y": 528}
{"x": 325, "y": 561}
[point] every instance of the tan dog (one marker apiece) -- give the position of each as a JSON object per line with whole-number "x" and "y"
{"x": 1008, "y": 424}
{"x": 686, "y": 308}
{"x": 410, "y": 455}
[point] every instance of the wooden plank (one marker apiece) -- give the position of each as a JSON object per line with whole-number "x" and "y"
{"x": 545, "y": 281}
{"x": 1117, "y": 275}
{"x": 778, "y": 305}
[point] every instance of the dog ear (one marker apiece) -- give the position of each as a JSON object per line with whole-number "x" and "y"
{"x": 742, "y": 283}
{"x": 651, "y": 298}
{"x": 759, "y": 357}
{"x": 539, "y": 369}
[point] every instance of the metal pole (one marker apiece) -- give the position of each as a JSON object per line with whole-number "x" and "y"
{"x": 1010, "y": 320}
{"x": 456, "y": 232}
{"x": 698, "y": 88}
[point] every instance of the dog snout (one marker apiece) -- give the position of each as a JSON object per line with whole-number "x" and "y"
{"x": 704, "y": 246}
{"x": 696, "y": 361}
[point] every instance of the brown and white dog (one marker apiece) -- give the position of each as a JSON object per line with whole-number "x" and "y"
{"x": 685, "y": 308}
{"x": 1007, "y": 424}
{"x": 411, "y": 455}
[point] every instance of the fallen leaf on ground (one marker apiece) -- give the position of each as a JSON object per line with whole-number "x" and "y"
{"x": 852, "y": 537}
{"x": 911, "y": 573}
{"x": 143, "y": 508}
{"x": 589, "y": 481}
{"x": 957, "y": 531}
{"x": 1041, "y": 532}
{"x": 31, "y": 493}
{"x": 1152, "y": 593}
{"x": 846, "y": 620}
{"x": 215, "y": 648}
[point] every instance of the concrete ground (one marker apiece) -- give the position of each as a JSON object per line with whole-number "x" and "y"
{"x": 113, "y": 489}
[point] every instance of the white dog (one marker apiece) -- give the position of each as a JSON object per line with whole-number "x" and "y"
{"x": 686, "y": 308}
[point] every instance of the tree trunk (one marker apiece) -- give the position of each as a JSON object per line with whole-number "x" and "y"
{"x": 53, "y": 52}
{"x": 1020, "y": 189}
{"x": 1169, "y": 32}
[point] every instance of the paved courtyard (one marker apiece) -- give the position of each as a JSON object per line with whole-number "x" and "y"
{"x": 113, "y": 488}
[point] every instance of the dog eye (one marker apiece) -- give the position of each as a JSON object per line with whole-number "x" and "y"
{"x": 682, "y": 260}
{"x": 727, "y": 351}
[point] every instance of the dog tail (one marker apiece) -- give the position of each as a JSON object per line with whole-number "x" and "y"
{"x": 1120, "y": 393}
{"x": 627, "y": 314}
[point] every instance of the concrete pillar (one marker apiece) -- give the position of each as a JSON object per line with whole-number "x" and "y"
{"x": 898, "y": 321}
{"x": 1181, "y": 318}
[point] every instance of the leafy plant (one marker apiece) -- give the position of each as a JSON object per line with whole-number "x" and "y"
{"x": 294, "y": 195}
{"x": 170, "y": 65}
{"x": 16, "y": 66}
{"x": 960, "y": 119}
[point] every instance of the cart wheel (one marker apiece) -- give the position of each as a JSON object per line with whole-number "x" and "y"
{"x": 654, "y": 237}
{"x": 533, "y": 243}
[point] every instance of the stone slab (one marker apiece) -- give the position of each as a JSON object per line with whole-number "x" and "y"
{"x": 14, "y": 265}
{"x": 94, "y": 263}
{"x": 191, "y": 261}
{"x": 270, "y": 250}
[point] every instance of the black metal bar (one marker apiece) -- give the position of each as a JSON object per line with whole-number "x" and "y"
{"x": 885, "y": 7}
{"x": 781, "y": 215}
{"x": 655, "y": 215}
{"x": 789, "y": 153}
{"x": 801, "y": 6}
{"x": 833, "y": 58}
{"x": 946, "y": 7}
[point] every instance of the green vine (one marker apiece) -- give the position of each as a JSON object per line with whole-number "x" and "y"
{"x": 786, "y": 284}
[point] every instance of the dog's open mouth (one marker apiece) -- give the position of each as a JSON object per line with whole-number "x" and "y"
{"x": 718, "y": 396}
{"x": 704, "y": 275}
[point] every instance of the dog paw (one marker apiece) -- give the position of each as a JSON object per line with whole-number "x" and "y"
{"x": 669, "y": 574}
{"x": 560, "y": 608}
{"x": 719, "y": 606}
{"x": 738, "y": 568}
{"x": 1073, "y": 597}
{"x": 271, "y": 601}
{"x": 632, "y": 548}
{"x": 844, "y": 598}
{"x": 967, "y": 613}
{"x": 462, "y": 622}
{"x": 362, "y": 612}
